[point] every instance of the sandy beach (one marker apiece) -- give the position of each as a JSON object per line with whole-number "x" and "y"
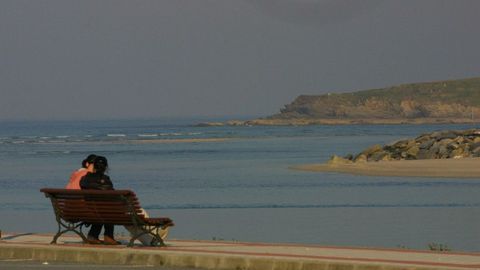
{"x": 447, "y": 168}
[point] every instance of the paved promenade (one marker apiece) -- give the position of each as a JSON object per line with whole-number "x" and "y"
{"x": 230, "y": 255}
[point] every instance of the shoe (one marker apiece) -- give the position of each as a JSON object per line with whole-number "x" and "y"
{"x": 93, "y": 241}
{"x": 156, "y": 243}
{"x": 107, "y": 240}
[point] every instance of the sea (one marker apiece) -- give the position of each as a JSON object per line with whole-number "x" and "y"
{"x": 236, "y": 183}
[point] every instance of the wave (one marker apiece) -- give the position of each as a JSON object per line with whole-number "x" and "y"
{"x": 116, "y": 135}
{"x": 148, "y": 135}
{"x": 172, "y": 134}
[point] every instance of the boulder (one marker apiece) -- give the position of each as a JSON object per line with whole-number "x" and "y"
{"x": 360, "y": 158}
{"x": 443, "y": 151}
{"x": 436, "y": 145}
{"x": 459, "y": 140}
{"x": 470, "y": 133}
{"x": 425, "y": 154}
{"x": 387, "y": 157}
{"x": 338, "y": 160}
{"x": 369, "y": 151}
{"x": 453, "y": 145}
{"x": 423, "y": 138}
{"x": 377, "y": 156}
{"x": 427, "y": 144}
{"x": 412, "y": 152}
{"x": 433, "y": 150}
{"x": 456, "y": 153}
{"x": 475, "y": 148}
{"x": 444, "y": 135}
{"x": 403, "y": 144}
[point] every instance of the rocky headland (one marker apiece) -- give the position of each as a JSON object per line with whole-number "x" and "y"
{"x": 453, "y": 101}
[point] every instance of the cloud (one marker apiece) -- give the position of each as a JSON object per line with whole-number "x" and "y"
{"x": 313, "y": 12}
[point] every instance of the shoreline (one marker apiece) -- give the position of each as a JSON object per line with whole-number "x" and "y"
{"x": 192, "y": 140}
{"x": 443, "y": 168}
{"x": 339, "y": 121}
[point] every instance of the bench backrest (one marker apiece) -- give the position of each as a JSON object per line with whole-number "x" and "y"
{"x": 120, "y": 207}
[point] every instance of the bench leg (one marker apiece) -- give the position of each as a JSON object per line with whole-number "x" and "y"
{"x": 69, "y": 227}
{"x": 160, "y": 234}
{"x": 55, "y": 237}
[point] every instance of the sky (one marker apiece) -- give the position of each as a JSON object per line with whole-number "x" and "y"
{"x": 123, "y": 59}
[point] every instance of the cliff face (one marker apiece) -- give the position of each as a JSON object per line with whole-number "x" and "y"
{"x": 456, "y": 99}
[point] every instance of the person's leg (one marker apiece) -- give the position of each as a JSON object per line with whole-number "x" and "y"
{"x": 95, "y": 230}
{"x": 108, "y": 235}
{"x": 163, "y": 233}
{"x": 93, "y": 234}
{"x": 108, "y": 230}
{"x": 146, "y": 239}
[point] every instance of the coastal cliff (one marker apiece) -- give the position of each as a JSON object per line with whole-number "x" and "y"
{"x": 444, "y": 101}
{"x": 453, "y": 101}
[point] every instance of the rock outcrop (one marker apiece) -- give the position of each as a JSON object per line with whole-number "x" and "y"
{"x": 454, "y": 101}
{"x": 436, "y": 145}
{"x": 457, "y": 99}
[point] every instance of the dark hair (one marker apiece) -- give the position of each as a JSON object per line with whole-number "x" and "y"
{"x": 100, "y": 164}
{"x": 89, "y": 159}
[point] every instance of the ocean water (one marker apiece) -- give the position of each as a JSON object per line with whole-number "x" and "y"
{"x": 241, "y": 187}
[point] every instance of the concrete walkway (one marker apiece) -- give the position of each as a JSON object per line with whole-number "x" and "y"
{"x": 230, "y": 255}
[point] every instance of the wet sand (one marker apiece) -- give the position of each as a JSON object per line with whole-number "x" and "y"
{"x": 448, "y": 168}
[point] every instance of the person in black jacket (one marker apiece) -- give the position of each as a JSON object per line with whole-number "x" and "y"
{"x": 97, "y": 179}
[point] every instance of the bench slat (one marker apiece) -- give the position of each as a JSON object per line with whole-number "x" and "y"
{"x": 98, "y": 207}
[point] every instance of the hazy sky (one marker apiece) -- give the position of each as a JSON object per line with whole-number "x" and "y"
{"x": 128, "y": 59}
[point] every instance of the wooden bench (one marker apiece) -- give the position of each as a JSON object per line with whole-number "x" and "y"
{"x": 76, "y": 208}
